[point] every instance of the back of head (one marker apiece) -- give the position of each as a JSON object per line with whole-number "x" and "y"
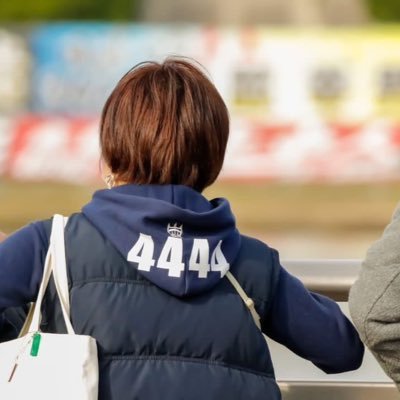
{"x": 165, "y": 123}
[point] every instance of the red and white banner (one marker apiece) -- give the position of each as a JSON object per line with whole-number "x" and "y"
{"x": 37, "y": 148}
{"x": 52, "y": 148}
{"x": 314, "y": 152}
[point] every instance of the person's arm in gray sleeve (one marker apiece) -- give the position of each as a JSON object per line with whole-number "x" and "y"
{"x": 374, "y": 300}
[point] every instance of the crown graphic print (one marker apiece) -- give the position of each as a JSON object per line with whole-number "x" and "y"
{"x": 175, "y": 230}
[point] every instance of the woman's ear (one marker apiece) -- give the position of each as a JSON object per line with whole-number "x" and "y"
{"x": 106, "y": 174}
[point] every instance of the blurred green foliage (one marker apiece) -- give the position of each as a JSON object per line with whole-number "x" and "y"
{"x": 384, "y": 10}
{"x": 55, "y": 10}
{"x": 127, "y": 10}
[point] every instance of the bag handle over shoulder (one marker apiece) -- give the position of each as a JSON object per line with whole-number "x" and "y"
{"x": 55, "y": 263}
{"x": 60, "y": 267}
{"x": 247, "y": 301}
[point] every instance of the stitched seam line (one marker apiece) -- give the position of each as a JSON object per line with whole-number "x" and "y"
{"x": 134, "y": 282}
{"x": 188, "y": 360}
{"x": 110, "y": 280}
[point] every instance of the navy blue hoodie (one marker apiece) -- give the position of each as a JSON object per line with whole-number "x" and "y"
{"x": 174, "y": 219}
{"x": 184, "y": 244}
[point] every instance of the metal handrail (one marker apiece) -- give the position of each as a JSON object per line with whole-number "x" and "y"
{"x": 331, "y": 277}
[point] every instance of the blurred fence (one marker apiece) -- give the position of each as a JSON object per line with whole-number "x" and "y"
{"x": 306, "y": 105}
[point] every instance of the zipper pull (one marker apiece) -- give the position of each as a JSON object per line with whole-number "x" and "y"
{"x": 35, "y": 344}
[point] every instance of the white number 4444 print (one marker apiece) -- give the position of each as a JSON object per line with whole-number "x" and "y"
{"x": 171, "y": 256}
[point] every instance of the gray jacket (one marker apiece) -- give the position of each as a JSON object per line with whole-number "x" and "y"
{"x": 375, "y": 300}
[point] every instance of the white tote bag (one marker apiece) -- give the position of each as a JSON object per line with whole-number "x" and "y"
{"x": 46, "y": 366}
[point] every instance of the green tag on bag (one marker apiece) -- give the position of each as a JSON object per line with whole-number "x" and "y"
{"x": 35, "y": 344}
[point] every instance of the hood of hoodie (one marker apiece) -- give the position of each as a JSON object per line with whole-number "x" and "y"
{"x": 171, "y": 234}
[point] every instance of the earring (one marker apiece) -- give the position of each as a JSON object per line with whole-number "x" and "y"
{"x": 110, "y": 181}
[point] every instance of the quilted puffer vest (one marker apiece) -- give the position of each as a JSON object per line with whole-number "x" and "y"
{"x": 153, "y": 345}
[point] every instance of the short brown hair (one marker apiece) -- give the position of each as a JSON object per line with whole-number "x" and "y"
{"x": 165, "y": 123}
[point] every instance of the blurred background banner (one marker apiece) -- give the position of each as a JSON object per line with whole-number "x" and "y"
{"x": 59, "y": 148}
{"x": 15, "y": 68}
{"x": 306, "y": 105}
{"x": 77, "y": 65}
{"x": 51, "y": 148}
{"x": 312, "y": 87}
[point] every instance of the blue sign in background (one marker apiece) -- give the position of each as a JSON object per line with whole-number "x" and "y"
{"x": 77, "y": 65}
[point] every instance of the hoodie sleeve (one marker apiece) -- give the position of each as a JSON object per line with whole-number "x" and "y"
{"x": 22, "y": 257}
{"x": 312, "y": 326}
{"x": 375, "y": 299}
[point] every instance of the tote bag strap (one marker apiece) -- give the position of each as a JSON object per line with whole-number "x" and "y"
{"x": 33, "y": 319}
{"x": 55, "y": 263}
{"x": 60, "y": 268}
{"x": 28, "y": 321}
{"x": 247, "y": 301}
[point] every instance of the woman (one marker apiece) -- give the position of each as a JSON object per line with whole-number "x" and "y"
{"x": 147, "y": 259}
